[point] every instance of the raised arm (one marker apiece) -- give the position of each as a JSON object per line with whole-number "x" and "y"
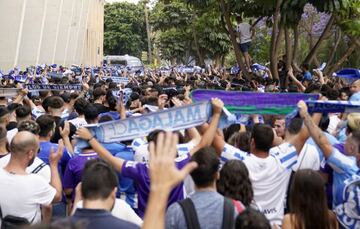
{"x": 299, "y": 140}
{"x": 55, "y": 177}
{"x": 296, "y": 81}
{"x": 85, "y": 134}
{"x": 315, "y": 132}
{"x": 209, "y": 135}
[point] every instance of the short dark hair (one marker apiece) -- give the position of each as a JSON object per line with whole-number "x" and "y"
{"x": 46, "y": 123}
{"x": 152, "y": 137}
{"x": 305, "y": 66}
{"x": 66, "y": 96}
{"x": 324, "y": 122}
{"x": 263, "y": 136}
{"x": 208, "y": 165}
{"x": 294, "y": 126}
{"x": 98, "y": 92}
{"x": 94, "y": 186}
{"x": 53, "y": 101}
{"x": 105, "y": 118}
{"x": 91, "y": 112}
{"x": 80, "y": 105}
{"x": 251, "y": 219}
{"x": 22, "y": 111}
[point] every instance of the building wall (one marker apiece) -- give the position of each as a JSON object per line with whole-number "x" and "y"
{"x": 64, "y": 32}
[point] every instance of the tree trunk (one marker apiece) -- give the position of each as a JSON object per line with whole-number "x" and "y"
{"x": 196, "y": 43}
{"x": 226, "y": 13}
{"x": 314, "y": 49}
{"x": 333, "y": 49}
{"x": 217, "y": 61}
{"x": 274, "y": 37}
{"x": 346, "y": 54}
{"x": 288, "y": 48}
{"x": 296, "y": 44}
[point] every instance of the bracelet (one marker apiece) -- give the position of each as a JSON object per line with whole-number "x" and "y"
{"x": 90, "y": 138}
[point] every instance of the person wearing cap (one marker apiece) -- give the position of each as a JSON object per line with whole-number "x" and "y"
{"x": 346, "y": 169}
{"x": 355, "y": 90}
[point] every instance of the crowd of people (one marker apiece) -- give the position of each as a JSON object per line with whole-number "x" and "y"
{"x": 265, "y": 173}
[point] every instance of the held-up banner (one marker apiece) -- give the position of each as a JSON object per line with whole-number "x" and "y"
{"x": 253, "y": 102}
{"x": 171, "y": 119}
{"x": 120, "y": 80}
{"x": 9, "y": 92}
{"x": 328, "y": 107}
{"x": 54, "y": 87}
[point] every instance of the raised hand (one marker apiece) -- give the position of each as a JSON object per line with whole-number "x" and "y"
{"x": 302, "y": 109}
{"x": 217, "y": 105}
{"x": 55, "y": 157}
{"x": 84, "y": 133}
{"x": 64, "y": 132}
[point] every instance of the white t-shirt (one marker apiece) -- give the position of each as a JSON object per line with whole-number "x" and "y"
{"x": 141, "y": 150}
{"x": 269, "y": 177}
{"x": 10, "y": 134}
{"x": 121, "y": 210}
{"x": 44, "y": 172}
{"x": 245, "y": 32}
{"x": 308, "y": 158}
{"x": 78, "y": 122}
{"x": 22, "y": 195}
{"x": 334, "y": 121}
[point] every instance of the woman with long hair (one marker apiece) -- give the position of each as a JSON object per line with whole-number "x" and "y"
{"x": 235, "y": 183}
{"x": 308, "y": 206}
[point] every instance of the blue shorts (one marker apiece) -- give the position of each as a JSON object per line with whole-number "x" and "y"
{"x": 245, "y": 47}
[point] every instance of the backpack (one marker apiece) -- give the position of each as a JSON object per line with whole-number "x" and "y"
{"x": 14, "y": 222}
{"x": 191, "y": 218}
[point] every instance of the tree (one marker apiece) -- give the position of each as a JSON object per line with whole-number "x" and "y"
{"x": 184, "y": 31}
{"x": 124, "y": 29}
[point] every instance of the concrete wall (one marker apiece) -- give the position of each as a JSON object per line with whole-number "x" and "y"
{"x": 64, "y": 32}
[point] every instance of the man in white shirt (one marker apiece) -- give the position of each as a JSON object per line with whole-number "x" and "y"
{"x": 21, "y": 193}
{"x": 244, "y": 32}
{"x": 269, "y": 168}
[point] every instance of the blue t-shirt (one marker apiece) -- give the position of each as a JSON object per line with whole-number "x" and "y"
{"x": 355, "y": 97}
{"x": 44, "y": 154}
{"x": 344, "y": 167}
{"x": 307, "y": 76}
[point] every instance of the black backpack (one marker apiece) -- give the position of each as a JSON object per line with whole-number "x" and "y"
{"x": 14, "y": 222}
{"x": 191, "y": 218}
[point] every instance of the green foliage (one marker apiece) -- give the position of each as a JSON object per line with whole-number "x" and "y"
{"x": 173, "y": 44}
{"x": 212, "y": 37}
{"x": 184, "y": 30}
{"x": 349, "y": 18}
{"x": 124, "y": 29}
{"x": 167, "y": 16}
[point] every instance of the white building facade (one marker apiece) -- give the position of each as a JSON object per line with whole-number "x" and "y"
{"x": 63, "y": 32}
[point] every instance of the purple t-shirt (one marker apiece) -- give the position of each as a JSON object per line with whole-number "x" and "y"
{"x": 138, "y": 171}
{"x": 73, "y": 171}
